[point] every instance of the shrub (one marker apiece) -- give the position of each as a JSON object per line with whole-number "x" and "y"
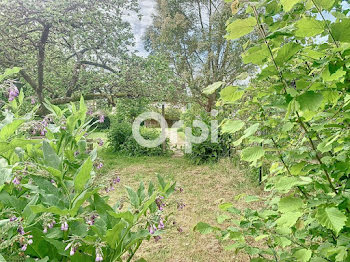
{"x": 121, "y": 140}
{"x": 50, "y": 206}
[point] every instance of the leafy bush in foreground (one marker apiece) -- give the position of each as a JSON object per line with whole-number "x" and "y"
{"x": 50, "y": 206}
{"x": 296, "y": 118}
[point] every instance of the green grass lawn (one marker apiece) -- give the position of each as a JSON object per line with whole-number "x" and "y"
{"x": 205, "y": 187}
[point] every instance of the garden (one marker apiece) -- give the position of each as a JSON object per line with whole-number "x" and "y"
{"x": 175, "y": 130}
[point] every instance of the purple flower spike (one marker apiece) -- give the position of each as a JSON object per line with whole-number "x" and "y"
{"x": 116, "y": 180}
{"x": 101, "y": 119}
{"x": 13, "y": 93}
{"x": 16, "y": 181}
{"x": 24, "y": 247}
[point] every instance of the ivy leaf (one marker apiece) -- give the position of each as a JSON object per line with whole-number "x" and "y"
{"x": 331, "y": 218}
{"x": 303, "y": 255}
{"x": 289, "y": 204}
{"x": 232, "y": 126}
{"x": 288, "y": 4}
{"x": 308, "y": 27}
{"x": 212, "y": 88}
{"x": 341, "y": 30}
{"x": 83, "y": 175}
{"x": 287, "y": 52}
{"x": 240, "y": 27}
{"x": 252, "y": 154}
{"x": 230, "y": 94}
{"x": 310, "y": 101}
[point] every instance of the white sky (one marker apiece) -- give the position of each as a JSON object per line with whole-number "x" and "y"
{"x": 139, "y": 27}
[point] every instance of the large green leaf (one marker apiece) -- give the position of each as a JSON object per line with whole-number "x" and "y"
{"x": 203, "y": 228}
{"x": 50, "y": 157}
{"x": 252, "y": 154}
{"x": 331, "y": 218}
{"x": 287, "y": 52}
{"x": 232, "y": 126}
{"x": 325, "y": 4}
{"x": 288, "y": 220}
{"x": 256, "y": 55}
{"x": 114, "y": 235}
{"x": 212, "y": 88}
{"x": 55, "y": 210}
{"x": 134, "y": 198}
{"x": 341, "y": 30}
{"x": 240, "y": 27}
{"x": 83, "y": 175}
{"x": 231, "y": 94}
{"x": 308, "y": 27}
{"x": 303, "y": 255}
{"x": 310, "y": 101}
{"x": 288, "y": 4}
{"x": 289, "y": 204}
{"x": 9, "y": 129}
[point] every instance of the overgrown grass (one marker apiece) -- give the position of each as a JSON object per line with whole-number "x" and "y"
{"x": 205, "y": 187}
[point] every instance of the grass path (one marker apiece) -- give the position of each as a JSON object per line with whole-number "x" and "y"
{"x": 204, "y": 186}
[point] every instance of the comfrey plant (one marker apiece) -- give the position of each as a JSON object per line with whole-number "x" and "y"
{"x": 295, "y": 118}
{"x": 50, "y": 206}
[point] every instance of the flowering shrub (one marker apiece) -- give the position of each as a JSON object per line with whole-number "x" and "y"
{"x": 50, "y": 206}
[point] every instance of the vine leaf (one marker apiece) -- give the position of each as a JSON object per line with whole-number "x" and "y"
{"x": 303, "y": 255}
{"x": 331, "y": 218}
{"x": 240, "y": 27}
{"x": 308, "y": 27}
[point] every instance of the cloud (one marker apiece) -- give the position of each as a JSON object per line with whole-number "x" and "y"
{"x": 147, "y": 8}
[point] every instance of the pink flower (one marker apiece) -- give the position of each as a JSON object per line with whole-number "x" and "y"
{"x": 161, "y": 224}
{"x": 152, "y": 229}
{"x": 13, "y": 218}
{"x": 24, "y": 247}
{"x": 100, "y": 142}
{"x": 98, "y": 256}
{"x": 32, "y": 101}
{"x": 13, "y": 92}
{"x": 100, "y": 165}
{"x": 64, "y": 226}
{"x": 16, "y": 181}
{"x": 45, "y": 230}
{"x": 101, "y": 119}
